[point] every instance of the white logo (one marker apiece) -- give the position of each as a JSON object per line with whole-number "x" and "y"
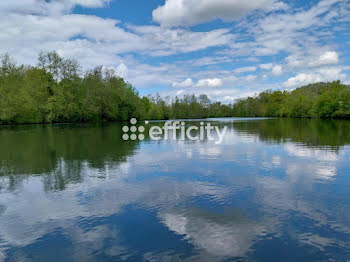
{"x": 133, "y": 129}
{"x": 176, "y": 130}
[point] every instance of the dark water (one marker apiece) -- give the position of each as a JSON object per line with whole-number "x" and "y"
{"x": 274, "y": 190}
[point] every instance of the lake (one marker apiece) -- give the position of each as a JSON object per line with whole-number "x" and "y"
{"x": 273, "y": 190}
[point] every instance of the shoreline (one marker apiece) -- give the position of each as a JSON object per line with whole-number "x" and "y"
{"x": 180, "y": 119}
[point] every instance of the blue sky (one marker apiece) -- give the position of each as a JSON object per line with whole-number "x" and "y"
{"x": 224, "y": 48}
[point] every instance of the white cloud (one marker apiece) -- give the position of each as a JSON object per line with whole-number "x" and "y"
{"x": 245, "y": 69}
{"x": 266, "y": 66}
{"x": 191, "y": 12}
{"x": 295, "y": 33}
{"x": 163, "y": 41}
{"x": 250, "y": 78}
{"x": 122, "y": 70}
{"x": 328, "y": 58}
{"x": 229, "y": 99}
{"x": 90, "y": 3}
{"x": 41, "y": 7}
{"x": 205, "y": 61}
{"x": 186, "y": 83}
{"x": 321, "y": 75}
{"x": 277, "y": 70}
{"x": 210, "y": 82}
{"x": 85, "y": 36}
{"x": 293, "y": 61}
{"x": 315, "y": 59}
{"x": 97, "y": 41}
{"x": 180, "y": 92}
{"x": 302, "y": 79}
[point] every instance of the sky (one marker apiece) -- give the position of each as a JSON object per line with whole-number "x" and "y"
{"x": 226, "y": 49}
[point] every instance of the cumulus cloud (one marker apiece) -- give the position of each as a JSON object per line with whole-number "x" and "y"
{"x": 302, "y": 79}
{"x": 313, "y": 60}
{"x": 229, "y": 99}
{"x": 84, "y": 36}
{"x": 97, "y": 41}
{"x": 122, "y": 70}
{"x": 321, "y": 75}
{"x": 192, "y": 12}
{"x": 210, "y": 82}
{"x": 186, "y": 83}
{"x": 328, "y": 58}
{"x": 277, "y": 70}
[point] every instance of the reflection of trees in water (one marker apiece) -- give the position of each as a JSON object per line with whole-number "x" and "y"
{"x": 311, "y": 132}
{"x": 65, "y": 173}
{"x": 10, "y": 182}
{"x": 58, "y": 152}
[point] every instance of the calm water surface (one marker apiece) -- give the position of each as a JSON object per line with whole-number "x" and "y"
{"x": 274, "y": 190}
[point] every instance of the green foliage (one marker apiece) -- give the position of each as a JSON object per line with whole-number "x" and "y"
{"x": 54, "y": 91}
{"x": 323, "y": 100}
{"x": 155, "y": 113}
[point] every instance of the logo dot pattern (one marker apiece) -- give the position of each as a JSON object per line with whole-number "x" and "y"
{"x": 133, "y": 129}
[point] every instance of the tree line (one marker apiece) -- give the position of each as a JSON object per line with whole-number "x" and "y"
{"x": 55, "y": 90}
{"x": 319, "y": 100}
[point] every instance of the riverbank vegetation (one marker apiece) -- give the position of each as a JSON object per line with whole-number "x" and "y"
{"x": 57, "y": 91}
{"x": 320, "y": 100}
